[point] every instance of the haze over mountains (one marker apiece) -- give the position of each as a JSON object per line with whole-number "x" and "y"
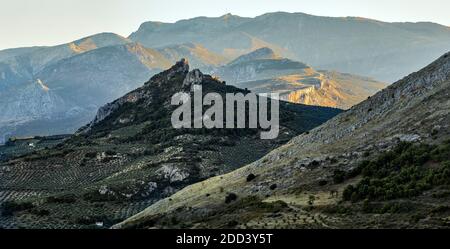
{"x": 385, "y": 51}
{"x": 54, "y": 90}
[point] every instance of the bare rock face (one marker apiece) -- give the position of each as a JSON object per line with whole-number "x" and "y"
{"x": 181, "y": 66}
{"x": 195, "y": 77}
{"x": 109, "y": 108}
{"x": 172, "y": 173}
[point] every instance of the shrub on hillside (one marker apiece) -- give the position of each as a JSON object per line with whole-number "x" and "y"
{"x": 65, "y": 198}
{"x": 8, "y": 208}
{"x": 402, "y": 172}
{"x": 230, "y": 197}
{"x": 90, "y": 154}
{"x": 250, "y": 177}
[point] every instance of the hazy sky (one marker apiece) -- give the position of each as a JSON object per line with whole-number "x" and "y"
{"x": 50, "y": 22}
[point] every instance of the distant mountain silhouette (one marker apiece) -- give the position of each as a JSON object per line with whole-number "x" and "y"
{"x": 385, "y": 51}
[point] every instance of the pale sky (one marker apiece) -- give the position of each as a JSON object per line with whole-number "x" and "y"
{"x": 51, "y": 22}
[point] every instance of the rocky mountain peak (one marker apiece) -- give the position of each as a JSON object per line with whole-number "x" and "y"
{"x": 180, "y": 70}
{"x": 181, "y": 66}
{"x": 158, "y": 89}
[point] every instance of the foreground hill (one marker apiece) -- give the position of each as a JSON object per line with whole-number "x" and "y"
{"x": 382, "y": 164}
{"x": 384, "y": 51}
{"x": 264, "y": 71}
{"x": 129, "y": 156}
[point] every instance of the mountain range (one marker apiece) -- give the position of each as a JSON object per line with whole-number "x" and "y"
{"x": 384, "y": 51}
{"x": 54, "y": 90}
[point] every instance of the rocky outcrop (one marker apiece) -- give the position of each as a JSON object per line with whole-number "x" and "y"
{"x": 195, "y": 77}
